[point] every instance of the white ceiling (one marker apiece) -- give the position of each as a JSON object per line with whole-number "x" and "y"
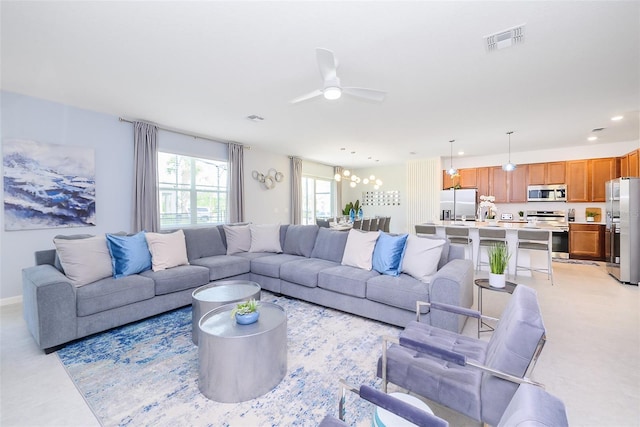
{"x": 204, "y": 67}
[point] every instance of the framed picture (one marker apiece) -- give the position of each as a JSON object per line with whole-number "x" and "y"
{"x": 48, "y": 185}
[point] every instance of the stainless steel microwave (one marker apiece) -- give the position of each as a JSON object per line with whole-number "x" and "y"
{"x": 547, "y": 193}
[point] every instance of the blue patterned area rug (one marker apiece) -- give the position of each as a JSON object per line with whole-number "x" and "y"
{"x": 146, "y": 373}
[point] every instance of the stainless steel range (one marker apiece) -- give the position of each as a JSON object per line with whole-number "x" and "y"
{"x": 560, "y": 237}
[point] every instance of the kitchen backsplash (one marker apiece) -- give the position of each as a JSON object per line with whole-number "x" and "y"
{"x": 580, "y": 208}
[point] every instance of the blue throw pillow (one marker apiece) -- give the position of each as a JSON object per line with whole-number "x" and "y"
{"x": 387, "y": 256}
{"x": 129, "y": 254}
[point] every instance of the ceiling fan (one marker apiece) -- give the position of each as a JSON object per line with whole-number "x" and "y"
{"x": 331, "y": 88}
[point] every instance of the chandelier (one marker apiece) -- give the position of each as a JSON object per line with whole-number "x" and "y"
{"x": 355, "y": 179}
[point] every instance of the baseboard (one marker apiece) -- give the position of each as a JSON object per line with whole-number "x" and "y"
{"x": 10, "y": 300}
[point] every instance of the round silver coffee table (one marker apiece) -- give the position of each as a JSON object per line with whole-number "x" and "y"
{"x": 241, "y": 362}
{"x": 215, "y": 294}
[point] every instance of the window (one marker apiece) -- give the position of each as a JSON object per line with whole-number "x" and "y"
{"x": 192, "y": 191}
{"x": 317, "y": 199}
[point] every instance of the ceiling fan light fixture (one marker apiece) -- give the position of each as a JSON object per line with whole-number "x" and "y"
{"x": 332, "y": 93}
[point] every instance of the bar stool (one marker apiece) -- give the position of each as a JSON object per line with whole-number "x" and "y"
{"x": 425, "y": 229}
{"x": 460, "y": 236}
{"x": 487, "y": 238}
{"x": 535, "y": 240}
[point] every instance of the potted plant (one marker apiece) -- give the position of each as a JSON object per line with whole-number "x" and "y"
{"x": 246, "y": 312}
{"x": 521, "y": 214}
{"x": 498, "y": 261}
{"x": 591, "y": 216}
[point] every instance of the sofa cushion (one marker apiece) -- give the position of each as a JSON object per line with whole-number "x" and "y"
{"x": 204, "y": 242}
{"x": 270, "y": 265}
{"x": 398, "y": 291}
{"x": 265, "y": 238}
{"x": 300, "y": 240}
{"x": 388, "y": 253}
{"x": 178, "y": 278}
{"x": 329, "y": 245}
{"x": 167, "y": 249}
{"x": 109, "y": 293}
{"x": 358, "y": 252}
{"x": 304, "y": 271}
{"x": 421, "y": 257}
{"x": 222, "y": 266}
{"x": 346, "y": 280}
{"x": 238, "y": 238}
{"x": 129, "y": 254}
{"x": 84, "y": 260}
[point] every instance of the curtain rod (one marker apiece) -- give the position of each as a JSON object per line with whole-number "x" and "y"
{"x": 181, "y": 132}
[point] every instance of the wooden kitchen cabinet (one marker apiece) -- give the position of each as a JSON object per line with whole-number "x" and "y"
{"x": 601, "y": 171}
{"x": 586, "y": 241}
{"x": 482, "y": 179}
{"x": 467, "y": 178}
{"x": 546, "y": 173}
{"x": 498, "y": 184}
{"x": 517, "y": 181}
{"x": 447, "y": 181}
{"x": 634, "y": 168}
{"x": 578, "y": 181}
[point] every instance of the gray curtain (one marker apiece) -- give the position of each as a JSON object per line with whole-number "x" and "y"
{"x": 236, "y": 182}
{"x": 145, "y": 192}
{"x": 338, "y": 170}
{"x": 296, "y": 190}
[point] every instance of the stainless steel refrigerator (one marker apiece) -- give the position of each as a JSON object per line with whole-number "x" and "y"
{"x": 455, "y": 203}
{"x": 622, "y": 238}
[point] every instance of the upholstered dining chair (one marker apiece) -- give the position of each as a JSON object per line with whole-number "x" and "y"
{"x": 373, "y": 225}
{"x": 366, "y": 223}
{"x": 468, "y": 375}
{"x": 382, "y": 221}
{"x": 323, "y": 223}
{"x": 357, "y": 224}
{"x": 387, "y": 220}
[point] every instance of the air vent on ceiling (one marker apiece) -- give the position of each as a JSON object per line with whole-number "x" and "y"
{"x": 505, "y": 38}
{"x": 597, "y": 130}
{"x": 255, "y": 118}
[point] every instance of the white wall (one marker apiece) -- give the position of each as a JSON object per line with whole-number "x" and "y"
{"x": 590, "y": 151}
{"x": 43, "y": 121}
{"x": 262, "y": 205}
{"x": 394, "y": 178}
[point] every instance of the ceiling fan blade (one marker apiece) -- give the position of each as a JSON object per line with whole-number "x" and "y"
{"x": 310, "y": 95}
{"x": 368, "y": 94}
{"x": 327, "y": 63}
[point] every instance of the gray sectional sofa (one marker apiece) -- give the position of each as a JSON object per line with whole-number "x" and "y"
{"x": 309, "y": 268}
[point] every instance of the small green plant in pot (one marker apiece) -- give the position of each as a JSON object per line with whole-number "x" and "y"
{"x": 498, "y": 261}
{"x": 246, "y": 312}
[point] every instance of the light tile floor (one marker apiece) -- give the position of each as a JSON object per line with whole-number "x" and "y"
{"x": 591, "y": 359}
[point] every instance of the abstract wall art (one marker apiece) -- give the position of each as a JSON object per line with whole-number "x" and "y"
{"x": 48, "y": 185}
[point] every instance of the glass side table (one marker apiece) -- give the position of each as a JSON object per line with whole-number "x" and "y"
{"x": 484, "y": 284}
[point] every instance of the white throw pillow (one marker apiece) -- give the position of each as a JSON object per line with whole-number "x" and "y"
{"x": 167, "y": 250}
{"x": 238, "y": 238}
{"x": 265, "y": 238}
{"x": 358, "y": 252}
{"x": 421, "y": 257}
{"x": 84, "y": 260}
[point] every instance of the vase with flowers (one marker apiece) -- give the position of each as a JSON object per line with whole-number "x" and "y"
{"x": 487, "y": 209}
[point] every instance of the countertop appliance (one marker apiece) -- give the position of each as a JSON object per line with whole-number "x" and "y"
{"x": 622, "y": 229}
{"x": 458, "y": 203}
{"x": 547, "y": 193}
{"x": 560, "y": 234}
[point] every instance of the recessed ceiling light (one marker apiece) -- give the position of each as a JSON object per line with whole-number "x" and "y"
{"x": 616, "y": 118}
{"x": 460, "y": 153}
{"x": 592, "y": 138}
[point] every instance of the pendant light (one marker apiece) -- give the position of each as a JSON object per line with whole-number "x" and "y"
{"x": 508, "y": 167}
{"x": 452, "y": 171}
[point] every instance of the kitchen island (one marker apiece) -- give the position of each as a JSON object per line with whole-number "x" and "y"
{"x": 526, "y": 258}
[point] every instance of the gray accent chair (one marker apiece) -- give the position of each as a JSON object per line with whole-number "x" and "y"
{"x": 471, "y": 376}
{"x": 531, "y": 406}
